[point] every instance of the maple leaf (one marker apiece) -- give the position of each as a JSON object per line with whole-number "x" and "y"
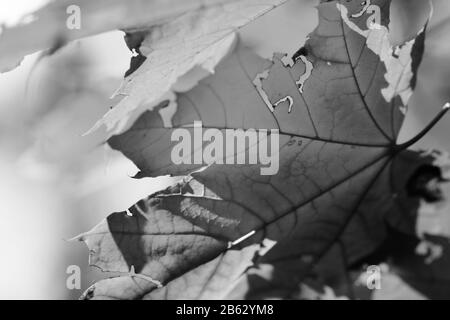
{"x": 337, "y": 104}
{"x": 47, "y": 27}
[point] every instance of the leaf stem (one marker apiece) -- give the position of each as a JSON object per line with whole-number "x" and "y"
{"x": 430, "y": 126}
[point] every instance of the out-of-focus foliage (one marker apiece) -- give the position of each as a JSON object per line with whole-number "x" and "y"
{"x": 47, "y": 27}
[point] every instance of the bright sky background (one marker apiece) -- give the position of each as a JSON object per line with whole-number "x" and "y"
{"x": 12, "y": 11}
{"x": 33, "y": 215}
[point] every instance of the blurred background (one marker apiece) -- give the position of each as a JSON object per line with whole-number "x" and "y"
{"x": 56, "y": 183}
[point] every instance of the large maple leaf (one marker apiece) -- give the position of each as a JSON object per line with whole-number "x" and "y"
{"x": 337, "y": 104}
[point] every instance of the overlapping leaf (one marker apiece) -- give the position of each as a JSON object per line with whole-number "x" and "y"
{"x": 178, "y": 55}
{"x": 48, "y": 27}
